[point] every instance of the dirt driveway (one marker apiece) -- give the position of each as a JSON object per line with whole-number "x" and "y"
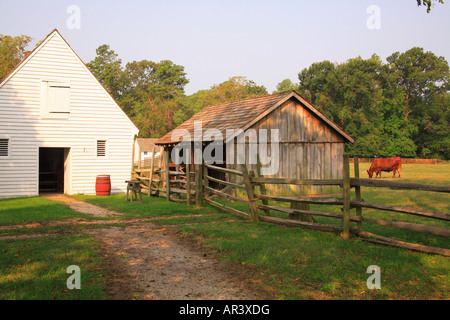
{"x": 147, "y": 261}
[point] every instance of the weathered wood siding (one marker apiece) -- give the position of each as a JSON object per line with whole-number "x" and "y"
{"x": 93, "y": 115}
{"x": 309, "y": 149}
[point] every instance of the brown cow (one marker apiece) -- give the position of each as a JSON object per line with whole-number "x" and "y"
{"x": 388, "y": 165}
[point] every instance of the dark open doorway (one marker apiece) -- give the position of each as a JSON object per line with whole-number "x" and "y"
{"x": 51, "y": 169}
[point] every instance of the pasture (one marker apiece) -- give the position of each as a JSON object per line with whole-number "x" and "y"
{"x": 282, "y": 262}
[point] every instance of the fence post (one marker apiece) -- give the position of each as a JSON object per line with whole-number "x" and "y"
{"x": 205, "y": 180}
{"x": 358, "y": 194}
{"x": 251, "y": 198}
{"x": 262, "y": 186}
{"x": 188, "y": 183}
{"x": 139, "y": 159}
{"x": 150, "y": 181}
{"x": 166, "y": 165}
{"x": 132, "y": 159}
{"x": 346, "y": 194}
{"x": 198, "y": 185}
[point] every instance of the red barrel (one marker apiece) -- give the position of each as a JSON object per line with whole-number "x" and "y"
{"x": 103, "y": 185}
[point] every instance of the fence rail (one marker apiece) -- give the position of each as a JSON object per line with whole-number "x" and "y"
{"x": 208, "y": 182}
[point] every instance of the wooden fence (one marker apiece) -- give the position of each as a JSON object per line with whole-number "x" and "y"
{"x": 177, "y": 185}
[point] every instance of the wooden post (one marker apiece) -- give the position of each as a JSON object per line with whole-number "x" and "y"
{"x": 198, "y": 185}
{"x": 139, "y": 159}
{"x": 188, "y": 183}
{"x": 132, "y": 160}
{"x": 205, "y": 180}
{"x": 301, "y": 216}
{"x": 346, "y": 194}
{"x": 177, "y": 177}
{"x": 358, "y": 193}
{"x": 251, "y": 198}
{"x": 167, "y": 176}
{"x": 262, "y": 186}
{"x": 150, "y": 181}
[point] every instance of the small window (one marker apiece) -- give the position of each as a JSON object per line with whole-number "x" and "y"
{"x": 4, "y": 147}
{"x": 101, "y": 148}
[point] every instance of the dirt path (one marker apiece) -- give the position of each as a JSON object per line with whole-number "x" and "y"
{"x": 152, "y": 263}
{"x": 147, "y": 261}
{"x": 82, "y": 207}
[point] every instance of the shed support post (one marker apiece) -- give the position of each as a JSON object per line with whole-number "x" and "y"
{"x": 150, "y": 181}
{"x": 188, "y": 182}
{"x": 198, "y": 185}
{"x": 132, "y": 159}
{"x": 167, "y": 175}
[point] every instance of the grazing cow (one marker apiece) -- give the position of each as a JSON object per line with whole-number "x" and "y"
{"x": 388, "y": 165}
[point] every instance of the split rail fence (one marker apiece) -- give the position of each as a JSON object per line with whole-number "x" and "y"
{"x": 202, "y": 185}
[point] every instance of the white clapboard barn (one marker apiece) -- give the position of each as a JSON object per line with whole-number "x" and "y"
{"x": 59, "y": 127}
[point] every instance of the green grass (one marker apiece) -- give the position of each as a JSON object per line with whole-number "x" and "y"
{"x": 148, "y": 208}
{"x": 292, "y": 263}
{"x": 34, "y": 209}
{"x": 36, "y": 268}
{"x": 306, "y": 264}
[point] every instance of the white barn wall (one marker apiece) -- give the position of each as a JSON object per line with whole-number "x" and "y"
{"x": 93, "y": 115}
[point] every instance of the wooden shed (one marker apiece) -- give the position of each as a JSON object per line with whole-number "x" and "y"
{"x": 309, "y": 145}
{"x": 143, "y": 151}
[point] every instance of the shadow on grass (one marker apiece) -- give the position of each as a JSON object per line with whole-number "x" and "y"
{"x": 35, "y": 269}
{"x": 34, "y": 209}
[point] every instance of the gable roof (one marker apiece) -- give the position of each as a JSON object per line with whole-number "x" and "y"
{"x": 30, "y": 55}
{"x": 243, "y": 114}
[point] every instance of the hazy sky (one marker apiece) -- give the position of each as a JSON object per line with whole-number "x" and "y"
{"x": 265, "y": 40}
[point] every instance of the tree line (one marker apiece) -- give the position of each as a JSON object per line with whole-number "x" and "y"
{"x": 398, "y": 107}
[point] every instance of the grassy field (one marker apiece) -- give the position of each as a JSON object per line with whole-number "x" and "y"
{"x": 291, "y": 263}
{"x": 35, "y": 267}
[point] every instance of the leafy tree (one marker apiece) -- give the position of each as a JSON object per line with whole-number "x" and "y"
{"x": 421, "y": 74}
{"x": 12, "y": 52}
{"x": 428, "y": 3}
{"x": 150, "y": 93}
{"x": 234, "y": 89}
{"x": 433, "y": 136}
{"x": 285, "y": 85}
{"x": 107, "y": 68}
{"x": 153, "y": 94}
{"x": 396, "y": 108}
{"x": 425, "y": 79}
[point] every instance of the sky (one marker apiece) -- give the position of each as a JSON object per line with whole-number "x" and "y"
{"x": 265, "y": 41}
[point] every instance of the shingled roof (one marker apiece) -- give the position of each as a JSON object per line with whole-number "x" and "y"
{"x": 242, "y": 115}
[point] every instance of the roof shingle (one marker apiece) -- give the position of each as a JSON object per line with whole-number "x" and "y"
{"x": 229, "y": 115}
